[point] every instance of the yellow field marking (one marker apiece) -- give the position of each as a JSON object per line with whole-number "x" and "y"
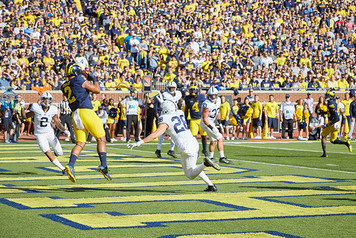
{"x": 4, "y": 189}
{"x": 351, "y": 188}
{"x": 177, "y": 165}
{"x": 97, "y": 175}
{"x": 263, "y": 209}
{"x": 295, "y": 179}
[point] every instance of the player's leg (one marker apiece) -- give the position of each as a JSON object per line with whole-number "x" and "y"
{"x": 325, "y": 132}
{"x": 44, "y": 141}
{"x": 159, "y": 145}
{"x": 191, "y": 170}
{"x": 171, "y": 150}
{"x": 335, "y": 140}
{"x": 94, "y": 125}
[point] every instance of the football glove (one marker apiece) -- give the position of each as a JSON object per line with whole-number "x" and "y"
{"x": 67, "y": 133}
{"x": 136, "y": 144}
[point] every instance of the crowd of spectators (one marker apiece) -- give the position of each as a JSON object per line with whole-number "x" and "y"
{"x": 231, "y": 44}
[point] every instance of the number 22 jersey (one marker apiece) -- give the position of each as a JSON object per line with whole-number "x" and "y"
{"x": 179, "y": 131}
{"x": 43, "y": 119}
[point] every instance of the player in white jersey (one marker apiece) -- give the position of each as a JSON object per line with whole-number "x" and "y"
{"x": 43, "y": 114}
{"x": 211, "y": 112}
{"x": 173, "y": 95}
{"x": 173, "y": 123}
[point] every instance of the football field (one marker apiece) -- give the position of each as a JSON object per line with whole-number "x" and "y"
{"x": 273, "y": 189}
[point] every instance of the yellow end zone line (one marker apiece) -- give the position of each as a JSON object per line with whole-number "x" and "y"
{"x": 97, "y": 175}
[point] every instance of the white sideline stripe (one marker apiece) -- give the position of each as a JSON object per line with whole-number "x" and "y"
{"x": 245, "y": 161}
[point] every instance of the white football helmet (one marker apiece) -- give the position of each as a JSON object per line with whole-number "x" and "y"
{"x": 171, "y": 87}
{"x": 168, "y": 106}
{"x": 46, "y": 99}
{"x": 213, "y": 94}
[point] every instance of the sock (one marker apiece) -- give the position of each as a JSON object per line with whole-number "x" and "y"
{"x": 58, "y": 164}
{"x": 211, "y": 154}
{"x": 160, "y": 141}
{"x": 204, "y": 177}
{"x": 204, "y": 146}
{"x": 171, "y": 147}
{"x": 337, "y": 141}
{"x": 324, "y": 149}
{"x": 72, "y": 160}
{"x": 102, "y": 156}
{"x": 221, "y": 154}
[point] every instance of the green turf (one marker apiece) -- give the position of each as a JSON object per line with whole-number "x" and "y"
{"x": 272, "y": 188}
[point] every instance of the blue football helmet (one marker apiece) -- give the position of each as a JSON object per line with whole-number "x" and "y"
{"x": 73, "y": 69}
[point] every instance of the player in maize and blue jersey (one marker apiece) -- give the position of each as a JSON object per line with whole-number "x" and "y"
{"x": 333, "y": 126}
{"x": 193, "y": 107}
{"x": 77, "y": 89}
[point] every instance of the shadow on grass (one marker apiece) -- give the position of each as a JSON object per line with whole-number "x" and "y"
{"x": 269, "y": 156}
{"x": 294, "y": 188}
{"x": 340, "y": 199}
{"x": 19, "y": 173}
{"x": 71, "y": 190}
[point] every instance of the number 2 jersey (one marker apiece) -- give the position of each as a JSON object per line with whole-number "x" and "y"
{"x": 43, "y": 119}
{"x": 179, "y": 131}
{"x": 78, "y": 96}
{"x": 214, "y": 109}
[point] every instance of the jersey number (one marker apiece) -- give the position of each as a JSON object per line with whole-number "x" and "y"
{"x": 195, "y": 107}
{"x": 180, "y": 124}
{"x": 214, "y": 112}
{"x": 44, "y": 122}
{"x": 68, "y": 91}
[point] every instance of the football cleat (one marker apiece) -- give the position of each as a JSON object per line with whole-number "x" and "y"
{"x": 209, "y": 163}
{"x": 158, "y": 153}
{"x": 105, "y": 172}
{"x": 64, "y": 172}
{"x": 349, "y": 146}
{"x": 213, "y": 160}
{"x": 171, "y": 153}
{"x": 211, "y": 188}
{"x": 324, "y": 155}
{"x": 224, "y": 160}
{"x": 70, "y": 173}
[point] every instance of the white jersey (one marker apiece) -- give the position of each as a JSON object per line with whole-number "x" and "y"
{"x": 179, "y": 131}
{"x": 43, "y": 119}
{"x": 214, "y": 109}
{"x": 175, "y": 98}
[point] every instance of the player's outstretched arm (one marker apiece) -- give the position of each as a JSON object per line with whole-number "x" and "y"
{"x": 25, "y": 115}
{"x": 58, "y": 123}
{"x": 160, "y": 130}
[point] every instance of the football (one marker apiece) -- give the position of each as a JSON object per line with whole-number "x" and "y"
{"x": 85, "y": 73}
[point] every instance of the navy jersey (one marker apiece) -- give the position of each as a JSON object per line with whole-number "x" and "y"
{"x": 333, "y": 111}
{"x": 78, "y": 96}
{"x": 194, "y": 105}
